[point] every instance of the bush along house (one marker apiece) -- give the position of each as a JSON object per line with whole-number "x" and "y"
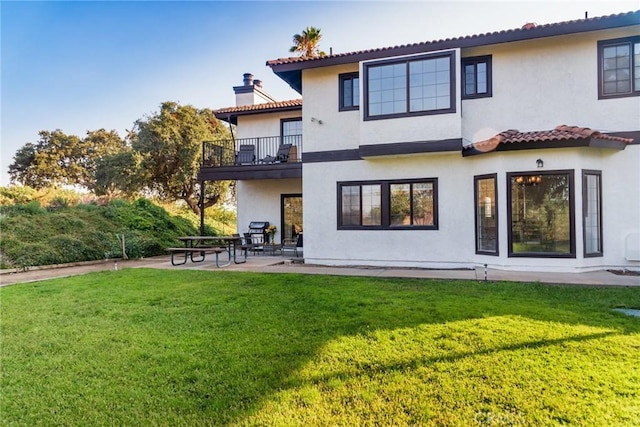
{"x": 519, "y": 149}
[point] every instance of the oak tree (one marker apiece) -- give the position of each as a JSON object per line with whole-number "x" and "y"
{"x": 61, "y": 159}
{"x": 169, "y": 144}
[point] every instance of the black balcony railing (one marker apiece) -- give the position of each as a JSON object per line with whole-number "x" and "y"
{"x": 264, "y": 149}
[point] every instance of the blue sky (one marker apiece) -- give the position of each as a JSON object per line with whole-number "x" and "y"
{"x": 83, "y": 65}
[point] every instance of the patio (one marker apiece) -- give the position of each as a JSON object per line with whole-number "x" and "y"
{"x": 287, "y": 264}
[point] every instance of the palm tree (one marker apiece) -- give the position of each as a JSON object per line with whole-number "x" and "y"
{"x": 306, "y": 44}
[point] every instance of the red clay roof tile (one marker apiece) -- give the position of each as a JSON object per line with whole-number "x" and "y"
{"x": 293, "y": 104}
{"x": 560, "y": 133}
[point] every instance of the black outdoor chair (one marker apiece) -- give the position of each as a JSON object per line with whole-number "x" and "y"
{"x": 284, "y": 151}
{"x": 246, "y": 155}
{"x": 291, "y": 245}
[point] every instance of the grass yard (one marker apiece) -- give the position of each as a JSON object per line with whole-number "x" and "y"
{"x": 188, "y": 348}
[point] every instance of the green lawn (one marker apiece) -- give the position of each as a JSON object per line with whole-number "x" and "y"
{"x": 182, "y": 348}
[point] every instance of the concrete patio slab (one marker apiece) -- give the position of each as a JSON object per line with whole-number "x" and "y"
{"x": 278, "y": 264}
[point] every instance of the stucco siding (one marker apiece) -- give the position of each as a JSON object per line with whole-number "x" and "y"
{"x": 260, "y": 201}
{"x": 262, "y": 125}
{"x": 540, "y": 84}
{"x": 339, "y": 130}
{"x": 453, "y": 244}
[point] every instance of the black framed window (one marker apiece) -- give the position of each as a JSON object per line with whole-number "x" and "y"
{"x": 476, "y": 77}
{"x": 592, "y": 212}
{"x": 411, "y": 204}
{"x": 486, "y": 214}
{"x": 619, "y": 67}
{"x": 349, "y": 91}
{"x": 291, "y": 131}
{"x": 416, "y": 86}
{"x": 541, "y": 214}
{"x": 360, "y": 205}
{"x": 398, "y": 204}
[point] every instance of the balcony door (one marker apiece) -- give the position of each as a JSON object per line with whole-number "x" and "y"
{"x": 291, "y": 208}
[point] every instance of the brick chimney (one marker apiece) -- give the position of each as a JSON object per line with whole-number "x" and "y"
{"x": 251, "y": 92}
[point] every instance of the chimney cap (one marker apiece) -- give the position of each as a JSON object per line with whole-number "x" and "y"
{"x": 247, "y": 79}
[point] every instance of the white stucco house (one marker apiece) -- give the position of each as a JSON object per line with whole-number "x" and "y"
{"x": 519, "y": 149}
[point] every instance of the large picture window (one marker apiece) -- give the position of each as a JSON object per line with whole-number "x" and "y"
{"x": 619, "y": 67}
{"x": 423, "y": 85}
{"x": 388, "y": 204}
{"x": 541, "y": 218}
{"x": 486, "y": 214}
{"x": 592, "y": 213}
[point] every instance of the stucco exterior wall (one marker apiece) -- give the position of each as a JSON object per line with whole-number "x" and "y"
{"x": 325, "y": 244}
{"x": 340, "y": 130}
{"x": 453, "y": 244}
{"x": 561, "y": 75}
{"x": 259, "y": 200}
{"x": 262, "y": 125}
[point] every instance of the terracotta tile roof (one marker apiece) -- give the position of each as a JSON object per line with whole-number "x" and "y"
{"x": 542, "y": 30}
{"x": 560, "y": 133}
{"x": 281, "y": 105}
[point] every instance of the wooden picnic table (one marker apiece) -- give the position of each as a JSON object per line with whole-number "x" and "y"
{"x": 208, "y": 244}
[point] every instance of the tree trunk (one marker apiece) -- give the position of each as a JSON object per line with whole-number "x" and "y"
{"x": 193, "y": 205}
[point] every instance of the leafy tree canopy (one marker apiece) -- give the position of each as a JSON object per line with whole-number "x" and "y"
{"x": 117, "y": 175}
{"x": 306, "y": 44}
{"x": 61, "y": 159}
{"x": 169, "y": 146}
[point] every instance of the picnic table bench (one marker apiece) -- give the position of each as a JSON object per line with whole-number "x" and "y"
{"x": 197, "y": 247}
{"x": 201, "y": 250}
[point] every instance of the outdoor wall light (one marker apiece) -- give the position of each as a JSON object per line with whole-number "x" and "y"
{"x": 540, "y": 163}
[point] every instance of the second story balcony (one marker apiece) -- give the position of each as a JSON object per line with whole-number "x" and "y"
{"x": 252, "y": 158}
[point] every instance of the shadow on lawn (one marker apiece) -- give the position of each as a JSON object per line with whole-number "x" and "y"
{"x": 286, "y": 321}
{"x": 217, "y": 345}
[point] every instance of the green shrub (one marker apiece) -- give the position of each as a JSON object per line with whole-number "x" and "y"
{"x": 86, "y": 232}
{"x": 51, "y": 226}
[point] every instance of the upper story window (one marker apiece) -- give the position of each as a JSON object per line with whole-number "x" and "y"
{"x": 476, "y": 77}
{"x": 349, "y": 91}
{"x": 291, "y": 131}
{"x": 416, "y": 86}
{"x": 619, "y": 67}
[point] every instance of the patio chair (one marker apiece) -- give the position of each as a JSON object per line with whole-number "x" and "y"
{"x": 282, "y": 156}
{"x": 291, "y": 245}
{"x": 246, "y": 155}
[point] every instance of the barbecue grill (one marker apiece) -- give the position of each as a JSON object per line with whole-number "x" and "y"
{"x": 259, "y": 227}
